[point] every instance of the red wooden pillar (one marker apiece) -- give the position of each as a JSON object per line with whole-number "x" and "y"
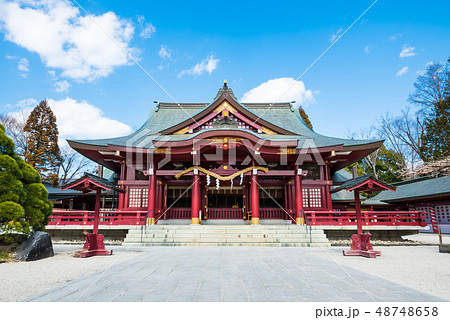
{"x": 195, "y": 197}
{"x": 254, "y": 198}
{"x": 204, "y": 201}
{"x": 300, "y": 219}
{"x": 97, "y": 209}
{"x": 151, "y": 197}
{"x": 121, "y": 200}
{"x": 327, "y": 197}
{"x": 246, "y": 203}
{"x": 291, "y": 201}
{"x": 286, "y": 205}
{"x": 164, "y": 205}
{"x": 159, "y": 198}
{"x": 121, "y": 204}
{"x": 358, "y": 212}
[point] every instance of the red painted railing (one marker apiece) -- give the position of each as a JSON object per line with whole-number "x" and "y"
{"x": 333, "y": 218}
{"x": 225, "y": 213}
{"x": 272, "y": 213}
{"x": 115, "y": 218}
{"x": 178, "y": 213}
{"x": 371, "y": 218}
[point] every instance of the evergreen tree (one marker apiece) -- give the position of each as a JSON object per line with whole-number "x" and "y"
{"x": 436, "y": 139}
{"x": 305, "y": 118}
{"x": 386, "y": 165}
{"x": 24, "y": 204}
{"x": 42, "y": 151}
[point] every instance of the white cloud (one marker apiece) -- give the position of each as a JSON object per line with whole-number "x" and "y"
{"x": 208, "y": 65}
{"x": 165, "y": 53}
{"x": 26, "y": 103}
{"x": 62, "y": 86}
{"x": 275, "y": 91}
{"x": 335, "y": 35}
{"x": 407, "y": 52}
{"x": 147, "y": 29}
{"x": 79, "y": 120}
{"x": 402, "y": 71}
{"x": 396, "y": 36}
{"x": 366, "y": 49}
{"x": 23, "y": 65}
{"x": 66, "y": 40}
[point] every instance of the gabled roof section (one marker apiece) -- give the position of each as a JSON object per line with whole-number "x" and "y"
{"x": 226, "y": 108}
{"x": 89, "y": 182}
{"x": 366, "y": 183}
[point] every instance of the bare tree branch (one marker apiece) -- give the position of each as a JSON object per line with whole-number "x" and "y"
{"x": 73, "y": 165}
{"x": 431, "y": 87}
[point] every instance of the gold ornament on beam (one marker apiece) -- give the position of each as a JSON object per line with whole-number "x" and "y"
{"x": 219, "y": 177}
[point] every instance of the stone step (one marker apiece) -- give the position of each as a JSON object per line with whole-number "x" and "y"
{"x": 230, "y": 236}
{"x": 216, "y": 244}
{"x": 220, "y": 240}
{"x": 268, "y": 234}
{"x": 225, "y": 230}
{"x": 217, "y": 227}
{"x": 257, "y": 235}
{"x": 209, "y": 237}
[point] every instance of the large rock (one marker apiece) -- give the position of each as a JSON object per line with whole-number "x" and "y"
{"x": 38, "y": 246}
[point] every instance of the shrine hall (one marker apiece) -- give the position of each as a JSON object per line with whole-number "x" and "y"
{"x": 225, "y": 160}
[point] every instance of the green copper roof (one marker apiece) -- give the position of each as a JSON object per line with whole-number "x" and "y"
{"x": 426, "y": 188}
{"x": 167, "y": 115}
{"x": 341, "y": 176}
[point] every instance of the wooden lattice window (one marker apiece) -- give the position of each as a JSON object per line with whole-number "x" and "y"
{"x": 312, "y": 198}
{"x": 138, "y": 197}
{"x": 443, "y": 213}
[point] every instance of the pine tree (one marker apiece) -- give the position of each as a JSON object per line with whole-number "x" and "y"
{"x": 305, "y": 118}
{"x": 43, "y": 152}
{"x": 436, "y": 139}
{"x": 24, "y": 204}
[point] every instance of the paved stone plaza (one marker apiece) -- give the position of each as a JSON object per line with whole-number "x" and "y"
{"x": 230, "y": 274}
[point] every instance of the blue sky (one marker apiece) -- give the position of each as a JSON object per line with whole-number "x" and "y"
{"x": 54, "y": 50}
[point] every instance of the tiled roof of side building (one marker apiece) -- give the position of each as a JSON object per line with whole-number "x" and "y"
{"x": 425, "y": 188}
{"x": 340, "y": 176}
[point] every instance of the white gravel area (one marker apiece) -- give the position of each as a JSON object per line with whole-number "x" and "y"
{"x": 419, "y": 267}
{"x": 429, "y": 238}
{"x": 20, "y": 280}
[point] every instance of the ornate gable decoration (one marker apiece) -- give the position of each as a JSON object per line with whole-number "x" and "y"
{"x": 225, "y": 116}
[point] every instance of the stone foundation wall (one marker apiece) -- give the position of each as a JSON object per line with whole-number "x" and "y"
{"x": 78, "y": 235}
{"x": 393, "y": 235}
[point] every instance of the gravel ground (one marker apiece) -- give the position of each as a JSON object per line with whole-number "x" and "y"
{"x": 428, "y": 238}
{"x": 419, "y": 267}
{"x": 20, "y": 280}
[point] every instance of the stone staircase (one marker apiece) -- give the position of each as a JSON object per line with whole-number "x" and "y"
{"x": 226, "y": 235}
